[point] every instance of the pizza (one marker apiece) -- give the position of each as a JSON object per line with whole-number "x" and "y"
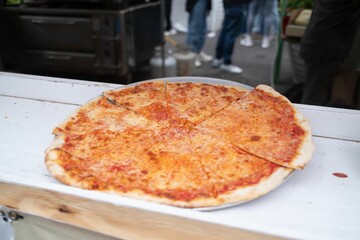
{"x": 185, "y": 144}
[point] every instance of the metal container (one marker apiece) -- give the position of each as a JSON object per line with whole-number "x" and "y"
{"x": 156, "y": 63}
{"x": 185, "y": 61}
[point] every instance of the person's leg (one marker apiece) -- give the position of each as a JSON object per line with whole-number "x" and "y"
{"x": 275, "y": 19}
{"x": 167, "y": 5}
{"x": 219, "y": 47}
{"x": 191, "y": 29}
{"x": 253, "y": 6}
{"x": 220, "y": 43}
{"x": 319, "y": 80}
{"x": 344, "y": 89}
{"x": 197, "y": 26}
{"x": 266, "y": 9}
{"x": 251, "y": 12}
{"x": 235, "y": 16}
{"x": 231, "y": 29}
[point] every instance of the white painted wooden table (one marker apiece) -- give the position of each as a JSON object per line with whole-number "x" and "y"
{"x": 312, "y": 204}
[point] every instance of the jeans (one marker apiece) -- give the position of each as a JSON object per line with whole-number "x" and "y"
{"x": 265, "y": 9}
{"x": 230, "y": 30}
{"x": 197, "y": 26}
{"x": 258, "y": 22}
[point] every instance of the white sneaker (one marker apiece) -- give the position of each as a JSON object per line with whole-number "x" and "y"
{"x": 197, "y": 62}
{"x": 231, "y": 68}
{"x": 180, "y": 27}
{"x": 216, "y": 63}
{"x": 170, "y": 32}
{"x": 265, "y": 42}
{"x": 205, "y": 57}
{"x": 246, "y": 41}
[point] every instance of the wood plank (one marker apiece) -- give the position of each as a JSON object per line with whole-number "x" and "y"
{"x": 33, "y": 227}
{"x": 116, "y": 221}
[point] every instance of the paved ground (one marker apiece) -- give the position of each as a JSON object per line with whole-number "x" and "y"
{"x": 256, "y": 62}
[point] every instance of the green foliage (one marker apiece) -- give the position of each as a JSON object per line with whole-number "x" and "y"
{"x": 293, "y": 4}
{"x": 12, "y": 2}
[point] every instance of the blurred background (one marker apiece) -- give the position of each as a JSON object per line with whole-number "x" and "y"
{"x": 124, "y": 41}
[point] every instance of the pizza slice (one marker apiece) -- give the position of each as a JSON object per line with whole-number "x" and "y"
{"x": 147, "y": 99}
{"x": 101, "y": 114}
{"x": 179, "y": 178}
{"x": 124, "y": 175}
{"x": 267, "y": 125}
{"x": 101, "y": 160}
{"x": 236, "y": 176}
{"x": 159, "y": 167}
{"x": 193, "y": 102}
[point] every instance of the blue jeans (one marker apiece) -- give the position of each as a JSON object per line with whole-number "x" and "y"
{"x": 230, "y": 30}
{"x": 197, "y": 26}
{"x": 265, "y": 8}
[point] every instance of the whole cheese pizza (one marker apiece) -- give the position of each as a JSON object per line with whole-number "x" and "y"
{"x": 186, "y": 144}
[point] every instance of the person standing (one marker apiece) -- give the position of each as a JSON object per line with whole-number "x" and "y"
{"x": 169, "y": 30}
{"x": 197, "y": 28}
{"x": 326, "y": 44}
{"x": 235, "y": 11}
{"x": 265, "y": 8}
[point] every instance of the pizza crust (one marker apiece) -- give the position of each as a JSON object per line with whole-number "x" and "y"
{"x": 57, "y": 142}
{"x": 59, "y": 129}
{"x": 261, "y": 188}
{"x": 53, "y": 155}
{"x": 237, "y": 196}
{"x": 195, "y": 203}
{"x": 130, "y": 97}
{"x": 51, "y": 158}
{"x": 307, "y": 147}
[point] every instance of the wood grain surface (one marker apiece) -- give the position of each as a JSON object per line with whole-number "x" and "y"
{"x": 116, "y": 221}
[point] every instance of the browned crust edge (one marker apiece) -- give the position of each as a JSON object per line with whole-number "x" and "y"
{"x": 307, "y": 146}
{"x": 240, "y": 195}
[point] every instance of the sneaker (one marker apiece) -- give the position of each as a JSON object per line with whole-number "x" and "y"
{"x": 231, "y": 68}
{"x": 246, "y": 41}
{"x": 170, "y": 32}
{"x": 180, "y": 27}
{"x": 197, "y": 62}
{"x": 265, "y": 42}
{"x": 216, "y": 63}
{"x": 205, "y": 57}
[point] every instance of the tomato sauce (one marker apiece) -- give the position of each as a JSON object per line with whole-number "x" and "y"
{"x": 340, "y": 175}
